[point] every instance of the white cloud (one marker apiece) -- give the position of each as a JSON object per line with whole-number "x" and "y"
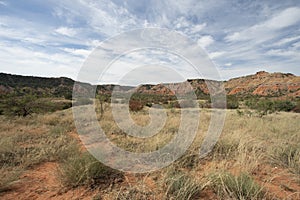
{"x": 84, "y": 53}
{"x": 286, "y": 40}
{"x": 181, "y": 22}
{"x": 216, "y": 54}
{"x": 104, "y": 16}
{"x": 296, "y": 45}
{"x": 205, "y": 41}
{"x": 287, "y": 17}
{"x": 31, "y": 34}
{"x": 197, "y": 28}
{"x": 256, "y": 33}
{"x": 266, "y": 29}
{"x": 70, "y": 32}
{"x": 33, "y": 62}
{"x": 283, "y": 52}
{"x": 233, "y": 37}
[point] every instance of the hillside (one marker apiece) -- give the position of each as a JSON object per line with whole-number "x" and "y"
{"x": 39, "y": 85}
{"x": 265, "y": 84}
{"x": 260, "y": 84}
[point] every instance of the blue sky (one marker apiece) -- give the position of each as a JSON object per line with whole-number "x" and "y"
{"x": 53, "y": 38}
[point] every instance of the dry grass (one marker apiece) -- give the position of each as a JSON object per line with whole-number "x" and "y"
{"x": 27, "y": 142}
{"x": 181, "y": 185}
{"x": 246, "y": 145}
{"x": 241, "y": 187}
{"x": 84, "y": 169}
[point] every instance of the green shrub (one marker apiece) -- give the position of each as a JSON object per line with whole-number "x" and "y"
{"x": 284, "y": 105}
{"x": 19, "y": 106}
{"x": 232, "y": 102}
{"x": 297, "y": 107}
{"x": 28, "y": 104}
{"x": 181, "y": 186}
{"x": 241, "y": 187}
{"x": 266, "y": 106}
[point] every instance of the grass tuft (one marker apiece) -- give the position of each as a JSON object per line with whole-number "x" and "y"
{"x": 182, "y": 186}
{"x": 86, "y": 170}
{"x": 287, "y": 156}
{"x": 241, "y": 187}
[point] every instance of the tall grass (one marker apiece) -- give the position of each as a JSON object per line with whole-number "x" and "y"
{"x": 287, "y": 156}
{"x": 27, "y": 142}
{"x": 241, "y": 187}
{"x": 180, "y": 185}
{"x": 8, "y": 176}
{"x": 84, "y": 169}
{"x": 244, "y": 145}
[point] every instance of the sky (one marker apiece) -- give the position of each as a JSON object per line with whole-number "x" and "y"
{"x": 54, "y": 38}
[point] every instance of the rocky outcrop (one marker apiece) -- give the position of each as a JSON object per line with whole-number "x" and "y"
{"x": 265, "y": 84}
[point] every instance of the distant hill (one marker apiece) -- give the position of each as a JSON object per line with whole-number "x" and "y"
{"x": 265, "y": 84}
{"x": 260, "y": 84}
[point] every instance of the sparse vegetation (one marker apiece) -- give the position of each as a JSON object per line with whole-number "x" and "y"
{"x": 287, "y": 156}
{"x": 245, "y": 162}
{"x": 242, "y": 147}
{"x": 86, "y": 170}
{"x": 181, "y": 186}
{"x": 266, "y": 106}
{"x": 8, "y": 176}
{"x": 241, "y": 187}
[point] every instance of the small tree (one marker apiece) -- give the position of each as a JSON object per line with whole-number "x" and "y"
{"x": 19, "y": 106}
{"x": 135, "y": 105}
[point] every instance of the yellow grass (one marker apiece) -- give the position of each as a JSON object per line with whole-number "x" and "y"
{"x": 247, "y": 145}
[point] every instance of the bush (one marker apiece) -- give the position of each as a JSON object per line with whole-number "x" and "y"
{"x": 135, "y": 106}
{"x": 296, "y": 109}
{"x": 284, "y": 105}
{"x": 232, "y": 102}
{"x": 19, "y": 106}
{"x": 86, "y": 170}
{"x": 265, "y": 106}
{"x": 181, "y": 186}
{"x": 26, "y": 105}
{"x": 241, "y": 187}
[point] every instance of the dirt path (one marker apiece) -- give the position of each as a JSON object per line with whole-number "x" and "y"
{"x": 42, "y": 183}
{"x": 278, "y": 182}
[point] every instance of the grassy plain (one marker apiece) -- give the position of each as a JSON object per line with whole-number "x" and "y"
{"x": 256, "y": 157}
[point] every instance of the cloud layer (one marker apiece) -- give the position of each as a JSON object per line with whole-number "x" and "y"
{"x": 53, "y": 38}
